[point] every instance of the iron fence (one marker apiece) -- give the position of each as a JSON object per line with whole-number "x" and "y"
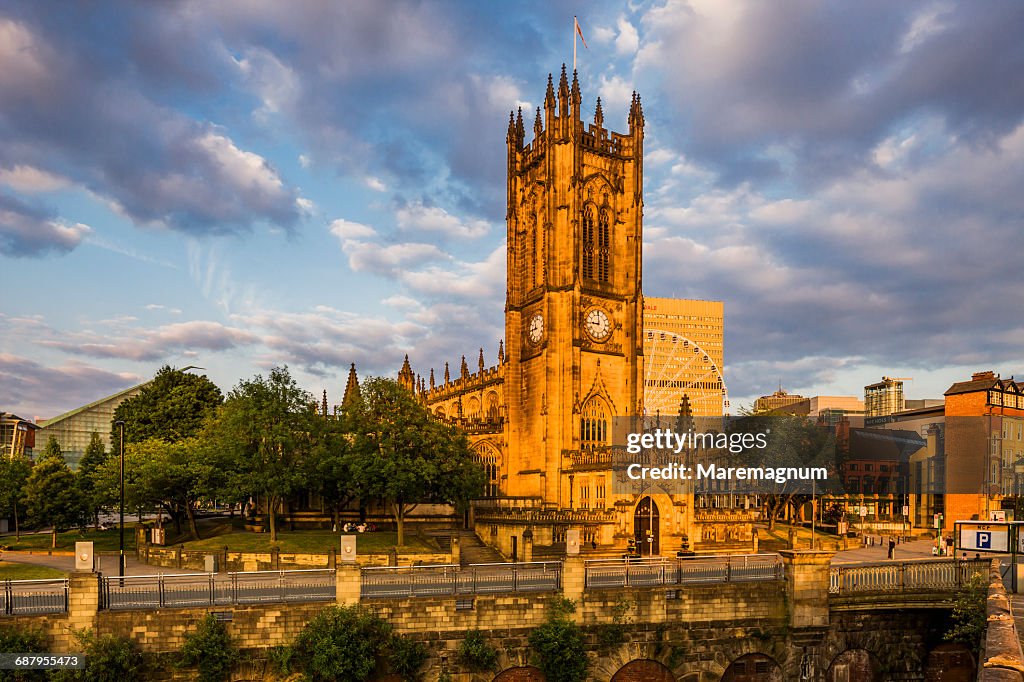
{"x": 217, "y": 589}
{"x": 430, "y": 581}
{"x": 902, "y": 576}
{"x": 696, "y": 570}
{"x": 34, "y": 597}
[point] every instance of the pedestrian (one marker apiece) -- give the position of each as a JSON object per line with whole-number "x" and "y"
{"x": 892, "y": 548}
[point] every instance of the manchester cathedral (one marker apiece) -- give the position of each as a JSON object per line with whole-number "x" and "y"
{"x": 573, "y": 356}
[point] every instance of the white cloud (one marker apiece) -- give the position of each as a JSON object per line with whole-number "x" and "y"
{"x": 347, "y": 230}
{"x": 29, "y": 179}
{"x": 628, "y": 40}
{"x": 417, "y": 217}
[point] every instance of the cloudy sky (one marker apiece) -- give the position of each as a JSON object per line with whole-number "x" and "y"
{"x": 243, "y": 184}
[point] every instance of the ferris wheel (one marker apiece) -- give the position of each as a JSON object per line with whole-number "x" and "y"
{"x": 675, "y": 366}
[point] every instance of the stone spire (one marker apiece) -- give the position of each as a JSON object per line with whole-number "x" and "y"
{"x": 501, "y": 351}
{"x": 324, "y": 404}
{"x": 599, "y": 115}
{"x": 405, "y": 376}
{"x": 447, "y": 376}
{"x": 431, "y": 378}
{"x": 465, "y": 368}
{"x": 480, "y": 360}
{"x": 352, "y": 394}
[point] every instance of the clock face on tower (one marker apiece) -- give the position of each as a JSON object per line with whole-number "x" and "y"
{"x": 535, "y": 330}
{"x": 597, "y": 324}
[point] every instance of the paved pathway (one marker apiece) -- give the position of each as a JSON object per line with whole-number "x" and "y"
{"x": 917, "y": 549}
{"x": 107, "y": 563}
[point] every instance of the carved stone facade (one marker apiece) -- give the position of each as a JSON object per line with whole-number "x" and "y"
{"x": 573, "y": 355}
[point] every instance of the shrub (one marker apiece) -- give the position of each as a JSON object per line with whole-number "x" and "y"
{"x": 476, "y": 653}
{"x": 558, "y": 645}
{"x": 108, "y": 659}
{"x": 341, "y": 643}
{"x": 22, "y": 641}
{"x": 406, "y": 657}
{"x": 210, "y": 649}
{"x": 969, "y": 619}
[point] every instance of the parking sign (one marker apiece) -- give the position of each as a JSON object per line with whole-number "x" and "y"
{"x": 985, "y": 537}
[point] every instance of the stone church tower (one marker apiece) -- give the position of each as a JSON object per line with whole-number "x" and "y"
{"x": 574, "y": 309}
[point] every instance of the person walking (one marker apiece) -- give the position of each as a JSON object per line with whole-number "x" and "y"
{"x": 892, "y": 548}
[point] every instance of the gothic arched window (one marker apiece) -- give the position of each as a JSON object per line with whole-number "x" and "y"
{"x": 491, "y": 462}
{"x": 594, "y": 424}
{"x": 588, "y": 245}
{"x": 603, "y": 247}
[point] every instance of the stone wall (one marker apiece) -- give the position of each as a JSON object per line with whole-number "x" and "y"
{"x": 1001, "y": 651}
{"x": 689, "y": 633}
{"x": 178, "y": 557}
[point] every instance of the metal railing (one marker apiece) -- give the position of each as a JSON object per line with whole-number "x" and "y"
{"x": 34, "y": 597}
{"x": 217, "y": 589}
{"x": 924, "y": 575}
{"x": 694, "y": 570}
{"x": 431, "y": 581}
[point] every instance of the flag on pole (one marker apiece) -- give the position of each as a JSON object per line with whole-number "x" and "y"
{"x": 580, "y": 32}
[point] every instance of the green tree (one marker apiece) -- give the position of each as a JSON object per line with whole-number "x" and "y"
{"x": 404, "y": 456}
{"x": 108, "y": 659}
{"x": 173, "y": 476}
{"x": 20, "y": 640}
{"x": 94, "y": 456}
{"x": 266, "y": 431}
{"x": 341, "y": 643}
{"x": 172, "y": 407}
{"x": 969, "y": 619}
{"x": 14, "y": 473}
{"x": 51, "y": 493}
{"x": 211, "y": 649}
{"x": 558, "y": 645}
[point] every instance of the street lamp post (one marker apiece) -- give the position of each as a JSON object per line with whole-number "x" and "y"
{"x": 120, "y": 561}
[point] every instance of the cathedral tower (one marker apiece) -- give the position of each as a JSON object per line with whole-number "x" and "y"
{"x": 574, "y": 309}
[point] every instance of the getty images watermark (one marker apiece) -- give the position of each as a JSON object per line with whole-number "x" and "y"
{"x": 722, "y": 454}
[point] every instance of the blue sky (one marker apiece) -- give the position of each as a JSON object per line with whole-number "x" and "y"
{"x": 238, "y": 185}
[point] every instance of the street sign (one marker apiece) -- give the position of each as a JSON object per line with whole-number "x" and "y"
{"x": 906, "y": 510}
{"x": 863, "y": 511}
{"x": 998, "y": 515}
{"x": 985, "y": 537}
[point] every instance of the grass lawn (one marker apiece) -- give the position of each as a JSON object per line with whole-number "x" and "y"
{"x": 13, "y": 571}
{"x": 218, "y": 533}
{"x": 105, "y": 540}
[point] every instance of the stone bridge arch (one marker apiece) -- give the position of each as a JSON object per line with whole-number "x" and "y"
{"x": 854, "y": 665}
{"x": 523, "y": 673}
{"x": 753, "y": 668}
{"x": 643, "y": 670}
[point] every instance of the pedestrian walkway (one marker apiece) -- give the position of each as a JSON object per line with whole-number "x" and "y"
{"x": 916, "y": 549}
{"x": 106, "y": 564}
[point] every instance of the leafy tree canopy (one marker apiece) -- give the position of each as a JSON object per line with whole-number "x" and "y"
{"x": 172, "y": 407}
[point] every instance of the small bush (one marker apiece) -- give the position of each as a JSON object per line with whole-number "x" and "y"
{"x": 558, "y": 645}
{"x": 107, "y": 659}
{"x": 341, "y": 643}
{"x": 22, "y": 641}
{"x": 969, "y": 618}
{"x": 210, "y": 649}
{"x": 476, "y": 653}
{"x": 406, "y": 657}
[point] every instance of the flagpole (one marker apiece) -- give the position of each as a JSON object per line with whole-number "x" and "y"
{"x": 575, "y": 24}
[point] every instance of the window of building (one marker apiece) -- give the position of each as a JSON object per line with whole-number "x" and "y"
{"x": 588, "y": 243}
{"x": 594, "y": 425}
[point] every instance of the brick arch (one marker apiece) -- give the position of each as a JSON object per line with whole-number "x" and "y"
{"x": 644, "y": 670}
{"x": 853, "y": 665}
{"x": 950, "y": 662}
{"x": 753, "y": 668}
{"x": 526, "y": 673}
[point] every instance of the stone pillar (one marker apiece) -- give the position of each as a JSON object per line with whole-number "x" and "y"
{"x": 456, "y": 551}
{"x": 807, "y": 580}
{"x": 347, "y": 583}
{"x": 527, "y": 545}
{"x": 83, "y": 602}
{"x": 754, "y": 541}
{"x": 573, "y": 583}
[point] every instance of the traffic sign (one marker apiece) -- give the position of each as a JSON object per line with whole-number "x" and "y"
{"x": 985, "y": 537}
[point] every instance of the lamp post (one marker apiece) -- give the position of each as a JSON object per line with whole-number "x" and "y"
{"x": 120, "y": 561}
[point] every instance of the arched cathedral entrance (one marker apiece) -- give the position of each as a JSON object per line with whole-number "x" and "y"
{"x": 645, "y": 527}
